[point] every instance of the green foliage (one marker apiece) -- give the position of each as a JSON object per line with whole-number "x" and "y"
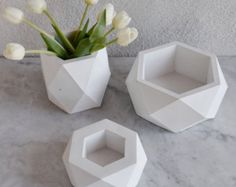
{"x": 99, "y": 29}
{"x": 97, "y": 47}
{"x": 98, "y": 44}
{"x": 91, "y": 30}
{"x": 83, "y": 48}
{"x": 87, "y": 42}
{"x": 54, "y": 46}
{"x": 82, "y": 33}
{"x": 64, "y": 40}
{"x": 71, "y": 36}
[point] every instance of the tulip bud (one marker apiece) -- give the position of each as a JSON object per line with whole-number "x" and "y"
{"x": 127, "y": 36}
{"x": 13, "y": 15}
{"x": 91, "y": 2}
{"x": 110, "y": 13}
{"x": 37, "y": 6}
{"x": 121, "y": 20}
{"x": 14, "y": 51}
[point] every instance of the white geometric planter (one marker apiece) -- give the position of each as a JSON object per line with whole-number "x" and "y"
{"x": 78, "y": 84}
{"x": 104, "y": 154}
{"x": 176, "y": 86}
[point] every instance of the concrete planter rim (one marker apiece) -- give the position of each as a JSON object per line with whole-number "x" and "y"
{"x": 129, "y": 158}
{"x": 77, "y": 59}
{"x": 141, "y": 72}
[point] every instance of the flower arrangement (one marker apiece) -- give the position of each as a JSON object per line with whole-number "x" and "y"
{"x": 81, "y": 42}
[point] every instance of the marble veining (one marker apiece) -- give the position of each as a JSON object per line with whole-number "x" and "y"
{"x": 34, "y": 133}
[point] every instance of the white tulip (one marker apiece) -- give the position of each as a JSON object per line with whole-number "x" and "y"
{"x": 121, "y": 20}
{"x": 13, "y": 15}
{"x": 37, "y": 6}
{"x": 14, "y": 51}
{"x": 91, "y": 2}
{"x": 110, "y": 13}
{"x": 126, "y": 36}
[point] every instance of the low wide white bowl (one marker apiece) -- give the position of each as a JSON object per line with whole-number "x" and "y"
{"x": 104, "y": 154}
{"x": 176, "y": 86}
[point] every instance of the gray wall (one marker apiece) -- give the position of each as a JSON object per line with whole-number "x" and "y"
{"x": 208, "y": 24}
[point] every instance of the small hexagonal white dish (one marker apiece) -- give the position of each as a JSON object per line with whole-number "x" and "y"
{"x": 78, "y": 84}
{"x": 104, "y": 154}
{"x": 176, "y": 86}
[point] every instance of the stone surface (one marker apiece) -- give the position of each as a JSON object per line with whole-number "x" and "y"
{"x": 207, "y": 24}
{"x": 34, "y": 133}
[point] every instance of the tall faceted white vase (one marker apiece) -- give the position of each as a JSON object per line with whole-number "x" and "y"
{"x": 176, "y": 86}
{"x": 78, "y": 84}
{"x": 104, "y": 154}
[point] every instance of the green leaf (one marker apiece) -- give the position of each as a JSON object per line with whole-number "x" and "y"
{"x": 97, "y": 47}
{"x": 71, "y": 36}
{"x": 100, "y": 40}
{"x": 91, "y": 30}
{"x": 54, "y": 46}
{"x": 99, "y": 29}
{"x": 64, "y": 40}
{"x": 100, "y": 43}
{"x": 82, "y": 33}
{"x": 58, "y": 40}
{"x": 83, "y": 48}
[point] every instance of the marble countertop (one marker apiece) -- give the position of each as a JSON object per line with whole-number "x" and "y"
{"x": 34, "y": 133}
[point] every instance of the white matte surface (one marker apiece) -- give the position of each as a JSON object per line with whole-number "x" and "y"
{"x": 104, "y": 165}
{"x": 176, "y": 86}
{"x": 78, "y": 84}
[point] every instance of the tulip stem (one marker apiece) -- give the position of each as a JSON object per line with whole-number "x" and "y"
{"x": 111, "y": 42}
{"x": 40, "y": 52}
{"x": 50, "y": 17}
{"x": 31, "y": 24}
{"x": 109, "y": 32}
{"x": 81, "y": 22}
{"x": 64, "y": 39}
{"x": 84, "y": 15}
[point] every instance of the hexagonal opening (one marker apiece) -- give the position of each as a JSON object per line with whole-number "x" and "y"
{"x": 104, "y": 147}
{"x": 178, "y": 68}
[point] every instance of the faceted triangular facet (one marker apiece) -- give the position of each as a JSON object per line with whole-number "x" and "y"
{"x": 176, "y": 86}
{"x": 201, "y": 101}
{"x": 65, "y": 89}
{"x": 50, "y": 66}
{"x": 177, "y": 116}
{"x": 98, "y": 80}
{"x": 84, "y": 103}
{"x": 80, "y": 77}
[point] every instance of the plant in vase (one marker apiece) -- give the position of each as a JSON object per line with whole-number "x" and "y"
{"x": 75, "y": 65}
